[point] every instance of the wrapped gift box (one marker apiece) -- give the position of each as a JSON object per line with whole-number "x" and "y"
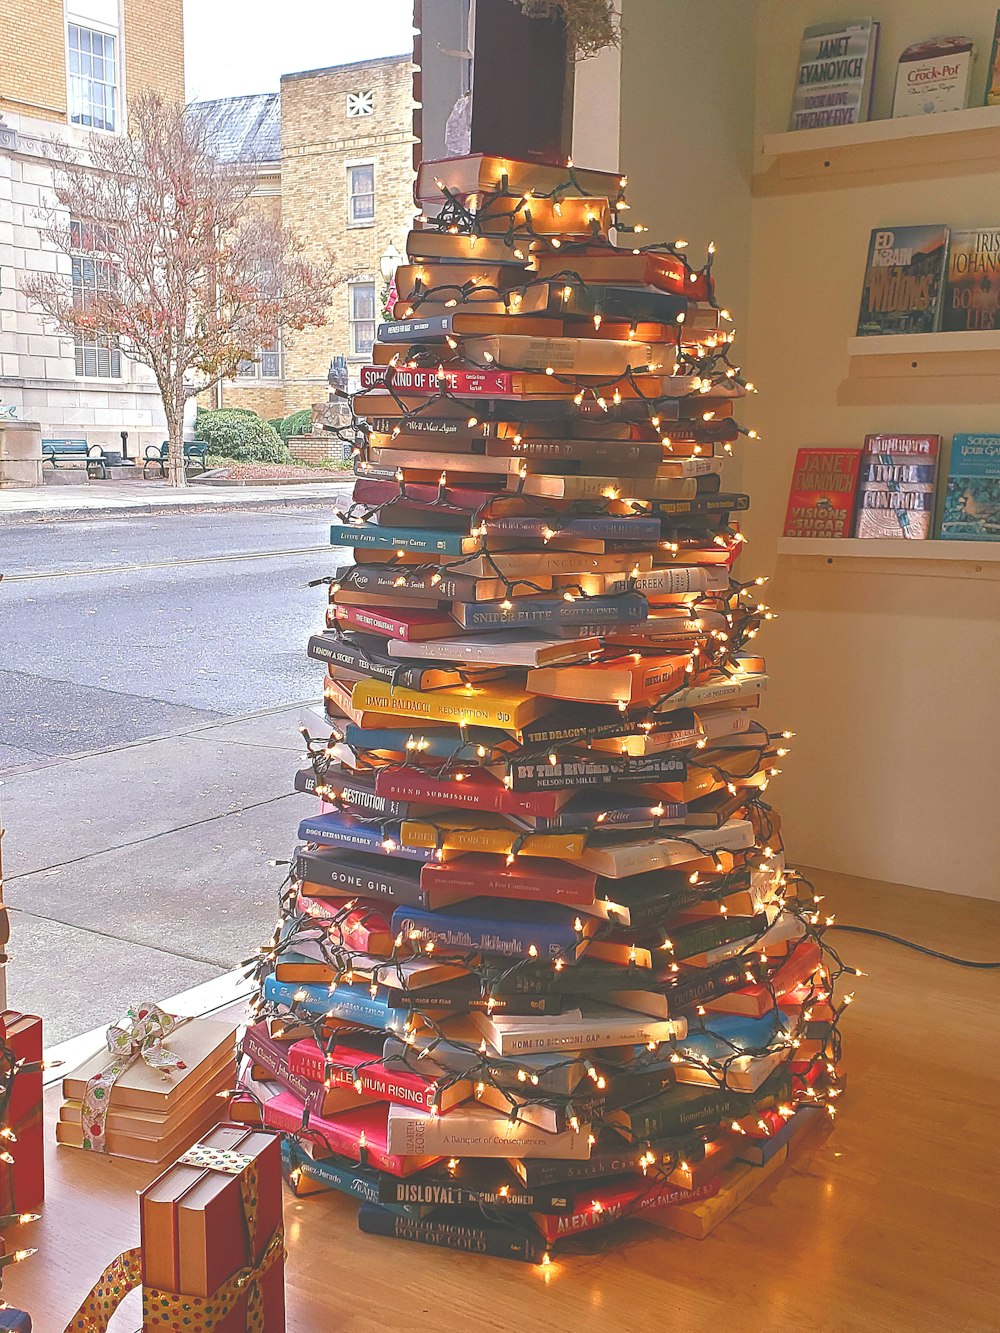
{"x": 22, "y": 1180}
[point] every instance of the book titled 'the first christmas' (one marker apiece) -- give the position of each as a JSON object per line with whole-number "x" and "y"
{"x": 821, "y": 499}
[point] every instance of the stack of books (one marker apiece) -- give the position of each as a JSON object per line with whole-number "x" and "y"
{"x": 540, "y": 966}
{"x": 153, "y": 1114}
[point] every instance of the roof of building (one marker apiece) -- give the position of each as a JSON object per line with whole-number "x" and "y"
{"x": 243, "y": 129}
{"x": 351, "y": 64}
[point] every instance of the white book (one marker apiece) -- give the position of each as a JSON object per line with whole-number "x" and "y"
{"x": 933, "y": 76}
{"x": 670, "y": 579}
{"x": 497, "y": 649}
{"x": 598, "y": 1026}
{"x": 479, "y": 1131}
{"x": 742, "y": 690}
{"x": 744, "y": 1073}
{"x": 616, "y": 860}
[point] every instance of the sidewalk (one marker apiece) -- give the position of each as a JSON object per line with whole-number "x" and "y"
{"x": 97, "y": 499}
{"x": 142, "y": 870}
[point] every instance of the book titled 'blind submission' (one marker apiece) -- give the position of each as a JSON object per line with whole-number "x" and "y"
{"x": 836, "y": 68}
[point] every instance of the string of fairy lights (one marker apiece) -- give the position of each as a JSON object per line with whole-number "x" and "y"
{"x": 809, "y": 1031}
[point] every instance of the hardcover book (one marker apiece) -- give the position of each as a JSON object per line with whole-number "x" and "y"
{"x": 972, "y": 295}
{"x": 992, "y": 96}
{"x": 836, "y": 70}
{"x": 821, "y": 498}
{"x": 904, "y": 280}
{"x": 933, "y": 76}
{"x": 896, "y": 487}
{"x": 971, "y": 510}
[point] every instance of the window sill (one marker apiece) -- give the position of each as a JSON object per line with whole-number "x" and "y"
{"x": 361, "y": 226}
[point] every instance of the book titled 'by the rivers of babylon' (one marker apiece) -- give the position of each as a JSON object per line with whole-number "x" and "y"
{"x": 821, "y": 499}
{"x": 834, "y": 81}
{"x": 904, "y": 280}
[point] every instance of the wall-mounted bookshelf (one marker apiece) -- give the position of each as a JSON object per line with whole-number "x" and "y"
{"x": 942, "y": 559}
{"x": 950, "y": 143}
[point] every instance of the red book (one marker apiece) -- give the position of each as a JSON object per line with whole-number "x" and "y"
{"x": 821, "y": 499}
{"x": 626, "y": 1196}
{"x": 22, "y": 1184}
{"x": 359, "y": 1135}
{"x": 423, "y": 379}
{"x": 363, "y": 929}
{"x": 757, "y": 1000}
{"x": 474, "y": 791}
{"x": 370, "y": 492}
{"x": 397, "y": 622}
{"x": 402, "y": 1086}
{"x": 542, "y": 879}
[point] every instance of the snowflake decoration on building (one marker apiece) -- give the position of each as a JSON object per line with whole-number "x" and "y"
{"x": 360, "y": 104}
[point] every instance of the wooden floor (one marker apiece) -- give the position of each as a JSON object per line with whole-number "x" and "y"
{"x": 890, "y": 1222}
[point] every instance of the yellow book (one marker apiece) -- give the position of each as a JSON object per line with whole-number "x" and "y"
{"x": 699, "y": 1219}
{"x": 486, "y": 833}
{"x": 490, "y": 705}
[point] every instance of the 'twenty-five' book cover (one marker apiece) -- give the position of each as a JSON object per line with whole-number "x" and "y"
{"x": 904, "y": 280}
{"x": 821, "y": 499}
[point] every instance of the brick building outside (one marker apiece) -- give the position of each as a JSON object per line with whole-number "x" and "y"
{"x": 67, "y": 70}
{"x": 333, "y": 157}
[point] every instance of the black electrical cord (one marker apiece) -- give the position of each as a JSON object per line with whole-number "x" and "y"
{"x": 909, "y": 944}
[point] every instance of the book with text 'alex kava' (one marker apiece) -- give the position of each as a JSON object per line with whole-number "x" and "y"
{"x": 904, "y": 280}
{"x": 971, "y": 510}
{"x": 972, "y": 296}
{"x": 836, "y": 70}
{"x": 933, "y": 76}
{"x": 896, "y": 484}
{"x": 609, "y": 1202}
{"x": 821, "y": 497}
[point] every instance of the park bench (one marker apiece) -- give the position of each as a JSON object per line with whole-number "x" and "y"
{"x": 75, "y": 451}
{"x": 157, "y": 455}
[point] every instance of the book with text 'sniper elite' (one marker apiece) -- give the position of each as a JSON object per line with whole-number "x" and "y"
{"x": 904, "y": 280}
{"x": 836, "y": 70}
{"x": 821, "y": 498}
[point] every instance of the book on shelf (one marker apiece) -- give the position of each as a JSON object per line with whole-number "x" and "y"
{"x": 972, "y": 295}
{"x": 903, "y": 288}
{"x": 991, "y": 97}
{"x": 933, "y": 76}
{"x": 971, "y": 505}
{"x": 836, "y": 71}
{"x": 896, "y": 486}
{"x": 821, "y": 496}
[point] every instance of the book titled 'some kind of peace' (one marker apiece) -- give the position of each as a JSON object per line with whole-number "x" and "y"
{"x": 834, "y": 81}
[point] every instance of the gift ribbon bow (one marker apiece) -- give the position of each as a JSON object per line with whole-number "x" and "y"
{"x": 139, "y": 1035}
{"x": 165, "y": 1309}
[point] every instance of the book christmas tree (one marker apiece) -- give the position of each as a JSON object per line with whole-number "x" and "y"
{"x": 540, "y": 964}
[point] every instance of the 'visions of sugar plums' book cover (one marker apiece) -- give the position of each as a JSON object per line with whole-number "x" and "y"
{"x": 972, "y": 296}
{"x": 971, "y": 509}
{"x": 904, "y": 280}
{"x": 896, "y": 486}
{"x": 821, "y": 499}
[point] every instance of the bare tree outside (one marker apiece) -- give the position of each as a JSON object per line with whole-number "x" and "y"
{"x": 186, "y": 276}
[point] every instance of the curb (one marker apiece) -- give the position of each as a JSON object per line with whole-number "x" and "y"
{"x": 144, "y": 510}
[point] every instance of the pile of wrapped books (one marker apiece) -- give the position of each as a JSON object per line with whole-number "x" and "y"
{"x": 540, "y": 966}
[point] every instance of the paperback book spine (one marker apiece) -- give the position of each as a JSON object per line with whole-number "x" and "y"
{"x": 471, "y": 1236}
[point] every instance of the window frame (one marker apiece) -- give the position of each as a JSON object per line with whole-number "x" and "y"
{"x": 356, "y": 165}
{"x": 104, "y": 30}
{"x": 353, "y": 322}
{"x": 254, "y": 369}
{"x": 86, "y": 249}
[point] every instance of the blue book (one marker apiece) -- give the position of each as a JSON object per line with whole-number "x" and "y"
{"x": 971, "y": 510}
{"x": 340, "y": 830}
{"x": 355, "y": 1004}
{"x": 406, "y": 539}
{"x": 609, "y": 526}
{"x": 19, "y": 1321}
{"x": 442, "y": 742}
{"x": 726, "y": 1031}
{"x": 336, "y": 1173}
{"x": 758, "y": 1152}
{"x": 592, "y": 810}
{"x": 492, "y": 926}
{"x": 538, "y": 612}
